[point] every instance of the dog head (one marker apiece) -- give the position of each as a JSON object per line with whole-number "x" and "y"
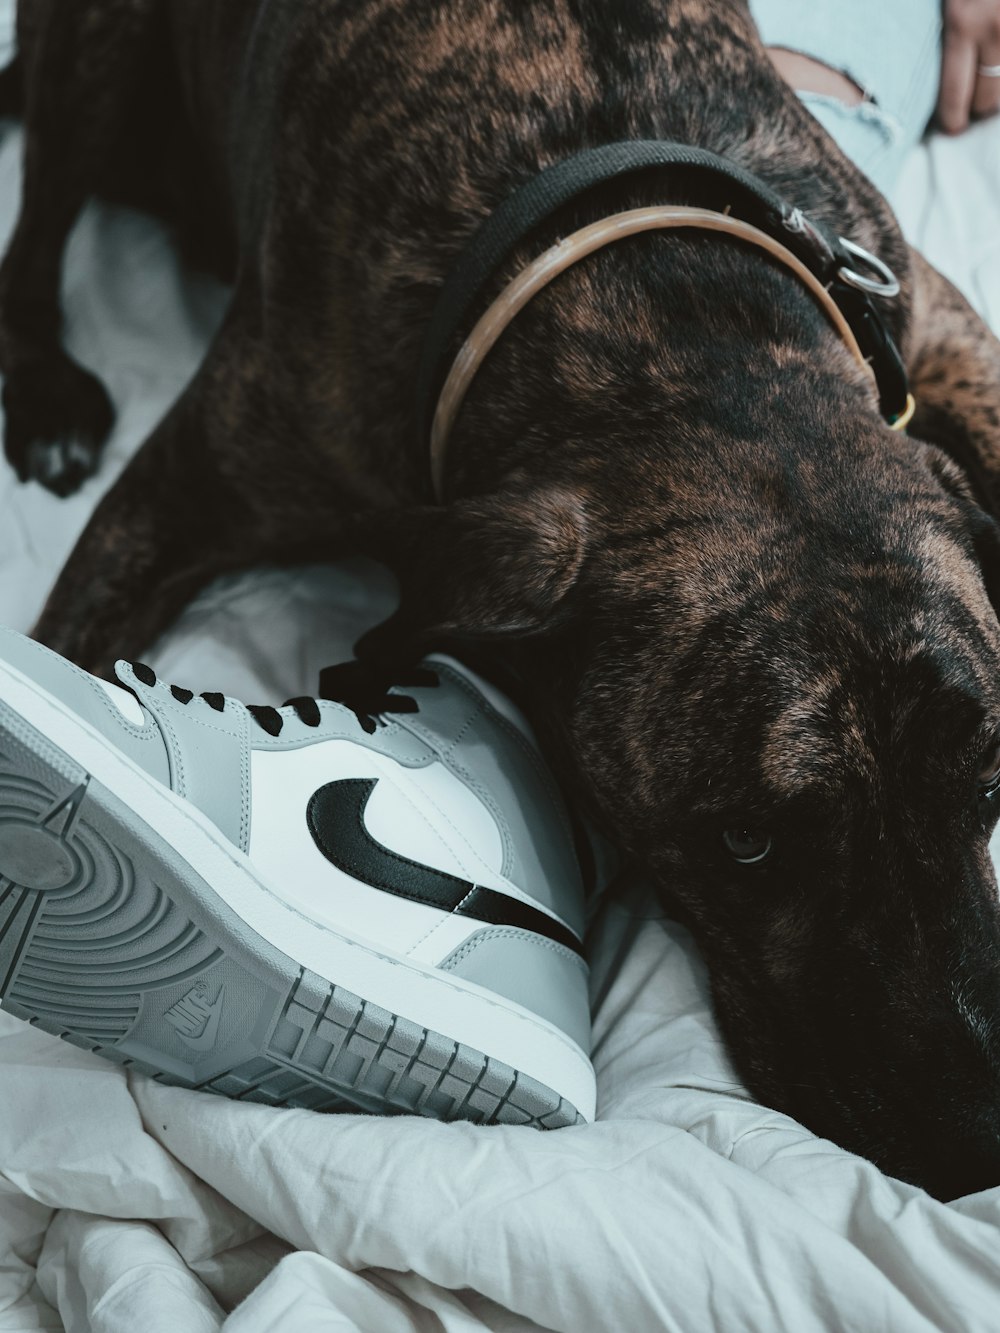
{"x": 792, "y": 712}
{"x": 779, "y": 684}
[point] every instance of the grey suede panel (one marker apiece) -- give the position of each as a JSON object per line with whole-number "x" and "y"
{"x": 504, "y": 769}
{"x": 210, "y": 749}
{"x": 209, "y": 753}
{"x": 534, "y": 972}
{"x": 84, "y": 696}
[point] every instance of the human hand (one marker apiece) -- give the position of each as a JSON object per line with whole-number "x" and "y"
{"x": 970, "y": 66}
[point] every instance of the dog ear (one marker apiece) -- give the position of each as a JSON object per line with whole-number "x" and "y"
{"x": 983, "y": 530}
{"x": 497, "y": 566}
{"x": 954, "y": 367}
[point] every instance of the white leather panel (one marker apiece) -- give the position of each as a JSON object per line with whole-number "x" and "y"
{"x": 450, "y": 932}
{"x": 127, "y": 704}
{"x": 283, "y": 849}
{"x": 465, "y": 840}
{"x": 398, "y": 814}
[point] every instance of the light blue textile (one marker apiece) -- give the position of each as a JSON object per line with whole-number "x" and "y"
{"x": 889, "y": 48}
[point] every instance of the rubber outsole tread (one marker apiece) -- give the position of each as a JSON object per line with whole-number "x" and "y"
{"x": 110, "y": 942}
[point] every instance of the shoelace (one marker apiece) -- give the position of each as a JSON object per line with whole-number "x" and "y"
{"x": 364, "y": 691}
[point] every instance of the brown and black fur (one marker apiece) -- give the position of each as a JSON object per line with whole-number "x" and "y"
{"x": 740, "y": 599}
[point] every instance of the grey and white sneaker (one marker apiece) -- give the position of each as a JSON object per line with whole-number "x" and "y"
{"x": 294, "y": 906}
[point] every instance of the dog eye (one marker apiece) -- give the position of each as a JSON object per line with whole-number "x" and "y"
{"x": 746, "y": 845}
{"x": 988, "y": 776}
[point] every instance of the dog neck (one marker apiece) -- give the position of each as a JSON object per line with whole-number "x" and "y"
{"x": 841, "y": 276}
{"x": 653, "y": 347}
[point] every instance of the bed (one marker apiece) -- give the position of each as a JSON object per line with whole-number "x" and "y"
{"x": 125, "y": 1205}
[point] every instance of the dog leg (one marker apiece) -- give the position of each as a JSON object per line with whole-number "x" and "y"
{"x": 83, "y": 62}
{"x": 172, "y": 521}
{"x": 153, "y": 541}
{"x": 219, "y": 485}
{"x": 954, "y": 366}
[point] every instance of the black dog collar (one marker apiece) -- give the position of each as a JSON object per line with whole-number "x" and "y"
{"x": 832, "y": 260}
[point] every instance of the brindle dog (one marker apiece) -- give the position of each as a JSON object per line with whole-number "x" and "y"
{"x": 759, "y": 626}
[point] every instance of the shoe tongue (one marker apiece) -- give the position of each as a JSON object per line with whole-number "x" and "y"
{"x": 503, "y": 704}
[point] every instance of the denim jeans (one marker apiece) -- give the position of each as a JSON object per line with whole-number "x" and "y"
{"x": 890, "y": 48}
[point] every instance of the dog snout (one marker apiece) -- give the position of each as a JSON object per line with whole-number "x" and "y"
{"x": 967, "y": 1165}
{"x": 962, "y": 1154}
{"x": 885, "y": 1038}
{"x": 980, "y": 1022}
{"x": 933, "y": 1123}
{"x": 919, "y": 1094}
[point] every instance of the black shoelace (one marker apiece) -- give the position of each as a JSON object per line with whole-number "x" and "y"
{"x": 364, "y": 691}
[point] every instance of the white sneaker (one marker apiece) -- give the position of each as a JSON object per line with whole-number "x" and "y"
{"x": 294, "y": 906}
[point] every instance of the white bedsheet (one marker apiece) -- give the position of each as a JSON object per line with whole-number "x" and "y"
{"x": 128, "y": 1206}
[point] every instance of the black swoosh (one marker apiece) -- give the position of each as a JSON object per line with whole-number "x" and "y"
{"x": 336, "y": 818}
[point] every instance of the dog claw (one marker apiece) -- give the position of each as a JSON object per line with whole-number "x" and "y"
{"x": 62, "y": 466}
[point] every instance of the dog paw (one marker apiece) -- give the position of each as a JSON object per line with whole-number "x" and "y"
{"x": 56, "y": 419}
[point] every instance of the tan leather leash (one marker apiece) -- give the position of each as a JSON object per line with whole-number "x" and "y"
{"x": 571, "y": 250}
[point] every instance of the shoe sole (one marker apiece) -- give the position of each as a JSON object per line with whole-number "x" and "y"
{"x": 113, "y": 940}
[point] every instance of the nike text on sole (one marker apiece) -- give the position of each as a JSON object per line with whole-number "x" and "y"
{"x": 111, "y": 937}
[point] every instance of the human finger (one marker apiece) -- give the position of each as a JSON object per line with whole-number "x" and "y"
{"x": 986, "y": 98}
{"x": 958, "y": 81}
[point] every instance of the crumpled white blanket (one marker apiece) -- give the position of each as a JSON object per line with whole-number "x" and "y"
{"x": 127, "y": 1206}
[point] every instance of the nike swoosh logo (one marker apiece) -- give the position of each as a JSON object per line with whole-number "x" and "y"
{"x": 212, "y": 1013}
{"x": 336, "y": 818}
